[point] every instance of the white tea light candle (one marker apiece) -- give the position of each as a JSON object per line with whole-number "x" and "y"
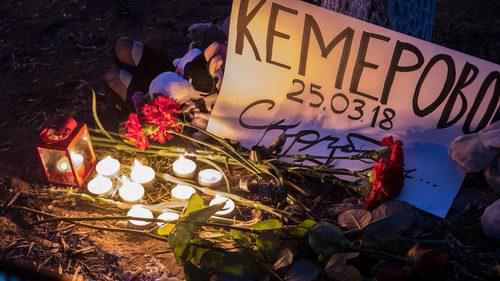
{"x": 228, "y": 207}
{"x": 108, "y": 167}
{"x": 63, "y": 163}
{"x": 168, "y": 216}
{"x": 130, "y": 191}
{"x": 100, "y": 186}
{"x": 139, "y": 212}
{"x": 184, "y": 168}
{"x": 182, "y": 192}
{"x": 209, "y": 177}
{"x": 142, "y": 174}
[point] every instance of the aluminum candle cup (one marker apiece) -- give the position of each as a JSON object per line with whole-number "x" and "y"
{"x": 130, "y": 192}
{"x": 167, "y": 216}
{"x": 142, "y": 174}
{"x": 182, "y": 192}
{"x": 108, "y": 167}
{"x": 228, "y": 207}
{"x": 209, "y": 177}
{"x": 139, "y": 212}
{"x": 100, "y": 186}
{"x": 184, "y": 168}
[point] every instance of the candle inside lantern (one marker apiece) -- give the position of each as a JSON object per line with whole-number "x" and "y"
{"x": 142, "y": 174}
{"x": 209, "y": 177}
{"x": 139, "y": 212}
{"x": 100, "y": 186}
{"x": 182, "y": 192}
{"x": 63, "y": 163}
{"x": 184, "y": 167}
{"x": 130, "y": 191}
{"x": 168, "y": 216}
{"x": 108, "y": 167}
{"x": 228, "y": 207}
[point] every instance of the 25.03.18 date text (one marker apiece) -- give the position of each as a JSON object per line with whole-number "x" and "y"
{"x": 339, "y": 103}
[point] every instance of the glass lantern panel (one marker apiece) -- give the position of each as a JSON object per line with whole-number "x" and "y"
{"x": 57, "y": 166}
{"x": 82, "y": 155}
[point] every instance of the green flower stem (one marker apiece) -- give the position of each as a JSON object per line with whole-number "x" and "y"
{"x": 320, "y": 157}
{"x": 91, "y": 226}
{"x": 96, "y": 117}
{"x": 167, "y": 153}
{"x": 250, "y": 168}
{"x": 239, "y": 199}
{"x": 218, "y": 168}
{"x": 157, "y": 209}
{"x": 381, "y": 253}
{"x": 101, "y": 139}
{"x": 225, "y": 144}
{"x": 311, "y": 173}
{"x": 309, "y": 212}
{"x": 113, "y": 218}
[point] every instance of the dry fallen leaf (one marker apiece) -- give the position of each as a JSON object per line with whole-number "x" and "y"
{"x": 354, "y": 219}
{"x": 338, "y": 270}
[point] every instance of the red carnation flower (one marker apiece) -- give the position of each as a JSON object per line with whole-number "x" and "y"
{"x": 388, "y": 177}
{"x": 162, "y": 115}
{"x": 157, "y": 118}
{"x": 134, "y": 132}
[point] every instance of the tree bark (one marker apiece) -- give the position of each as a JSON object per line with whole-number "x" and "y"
{"x": 412, "y": 17}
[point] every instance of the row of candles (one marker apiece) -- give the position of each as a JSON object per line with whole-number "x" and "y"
{"x": 132, "y": 190}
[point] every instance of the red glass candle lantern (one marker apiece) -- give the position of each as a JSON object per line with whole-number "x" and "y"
{"x": 66, "y": 152}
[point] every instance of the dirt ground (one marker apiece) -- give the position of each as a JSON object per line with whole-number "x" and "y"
{"x": 51, "y": 49}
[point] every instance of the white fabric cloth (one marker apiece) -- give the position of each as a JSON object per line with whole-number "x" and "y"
{"x": 475, "y": 152}
{"x": 490, "y": 221}
{"x": 172, "y": 85}
{"x": 137, "y": 49}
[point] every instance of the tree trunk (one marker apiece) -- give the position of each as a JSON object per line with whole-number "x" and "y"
{"x": 412, "y": 17}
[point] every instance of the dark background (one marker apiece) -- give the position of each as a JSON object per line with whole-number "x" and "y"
{"x": 51, "y": 49}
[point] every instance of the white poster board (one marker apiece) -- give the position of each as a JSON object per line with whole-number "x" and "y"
{"x": 331, "y": 82}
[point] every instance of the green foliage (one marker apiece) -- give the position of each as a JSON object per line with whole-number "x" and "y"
{"x": 239, "y": 266}
{"x": 180, "y": 237}
{"x": 166, "y": 229}
{"x": 326, "y": 238}
{"x": 194, "y": 273}
{"x": 302, "y": 228}
{"x": 302, "y": 270}
{"x": 267, "y": 225}
{"x": 195, "y": 203}
{"x": 96, "y": 117}
{"x": 385, "y": 231}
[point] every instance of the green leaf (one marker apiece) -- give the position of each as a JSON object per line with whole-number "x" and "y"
{"x": 179, "y": 240}
{"x": 267, "y": 242}
{"x": 284, "y": 259}
{"x": 302, "y": 270}
{"x": 354, "y": 219}
{"x": 326, "y": 238}
{"x": 386, "y": 230}
{"x": 302, "y": 228}
{"x": 202, "y": 215}
{"x": 183, "y": 232}
{"x": 210, "y": 259}
{"x": 166, "y": 229}
{"x": 195, "y": 203}
{"x": 308, "y": 223}
{"x": 240, "y": 236}
{"x": 194, "y": 273}
{"x": 338, "y": 270}
{"x": 267, "y": 225}
{"x": 239, "y": 266}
